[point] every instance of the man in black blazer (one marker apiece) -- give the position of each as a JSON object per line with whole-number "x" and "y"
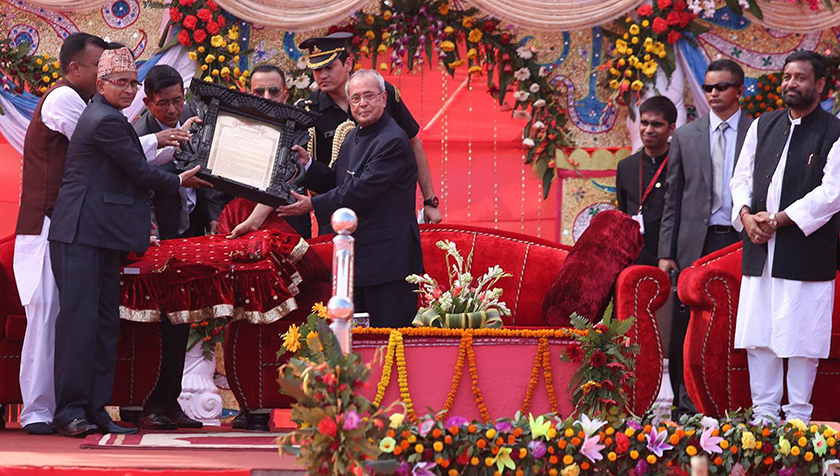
{"x": 375, "y": 176}
{"x": 101, "y": 213}
{"x": 185, "y": 213}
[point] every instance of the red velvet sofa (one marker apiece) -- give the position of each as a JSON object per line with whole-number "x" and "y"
{"x": 250, "y": 352}
{"x": 716, "y": 374}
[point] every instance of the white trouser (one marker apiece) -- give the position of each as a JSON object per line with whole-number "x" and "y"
{"x": 767, "y": 384}
{"x": 39, "y": 295}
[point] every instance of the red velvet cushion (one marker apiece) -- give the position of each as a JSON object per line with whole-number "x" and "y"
{"x": 585, "y": 281}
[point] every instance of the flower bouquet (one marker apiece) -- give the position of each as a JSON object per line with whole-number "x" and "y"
{"x": 468, "y": 303}
{"x": 208, "y": 333}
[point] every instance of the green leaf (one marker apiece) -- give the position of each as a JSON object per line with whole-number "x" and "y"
{"x": 735, "y": 7}
{"x": 829, "y": 4}
{"x": 292, "y": 388}
{"x": 195, "y": 338}
{"x": 548, "y": 176}
{"x": 755, "y": 9}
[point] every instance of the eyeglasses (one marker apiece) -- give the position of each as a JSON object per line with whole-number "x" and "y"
{"x": 272, "y": 91}
{"x": 123, "y": 83}
{"x": 169, "y": 102}
{"x": 723, "y": 86}
{"x": 368, "y": 97}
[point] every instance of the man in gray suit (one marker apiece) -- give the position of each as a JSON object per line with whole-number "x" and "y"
{"x": 698, "y": 204}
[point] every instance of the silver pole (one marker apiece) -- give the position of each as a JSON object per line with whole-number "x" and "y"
{"x": 340, "y": 307}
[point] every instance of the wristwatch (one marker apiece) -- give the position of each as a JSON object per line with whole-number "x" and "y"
{"x": 431, "y": 202}
{"x": 772, "y": 220}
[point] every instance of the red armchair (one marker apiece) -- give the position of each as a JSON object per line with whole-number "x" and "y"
{"x": 250, "y": 350}
{"x": 716, "y": 375}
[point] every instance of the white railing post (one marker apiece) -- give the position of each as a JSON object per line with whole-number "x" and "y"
{"x": 340, "y": 307}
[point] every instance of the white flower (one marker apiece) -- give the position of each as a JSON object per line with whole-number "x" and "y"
{"x": 528, "y": 142}
{"x": 520, "y": 114}
{"x": 539, "y": 125}
{"x": 522, "y": 74}
{"x": 301, "y": 62}
{"x": 521, "y": 96}
{"x": 543, "y": 71}
{"x": 524, "y": 52}
{"x": 709, "y": 422}
{"x": 302, "y": 81}
{"x": 534, "y": 88}
{"x": 744, "y": 4}
{"x": 539, "y": 103}
{"x": 708, "y": 8}
{"x": 590, "y": 427}
{"x": 313, "y": 86}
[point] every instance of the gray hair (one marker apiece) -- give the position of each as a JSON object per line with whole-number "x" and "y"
{"x": 365, "y": 72}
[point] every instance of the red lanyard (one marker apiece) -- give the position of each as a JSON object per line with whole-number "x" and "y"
{"x": 652, "y": 182}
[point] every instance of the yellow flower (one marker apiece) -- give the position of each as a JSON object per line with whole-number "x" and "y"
{"x": 621, "y": 62}
{"x": 456, "y": 63}
{"x": 612, "y": 456}
{"x": 369, "y": 19}
{"x": 628, "y": 20}
{"x": 589, "y": 386}
{"x": 291, "y": 339}
{"x": 236, "y": 59}
{"x": 39, "y": 61}
{"x": 634, "y": 40}
{"x": 620, "y": 44}
{"x": 397, "y": 419}
{"x": 637, "y": 85}
{"x": 46, "y": 56}
{"x": 662, "y": 54}
{"x": 45, "y": 68}
{"x": 443, "y": 9}
{"x": 795, "y": 451}
{"x": 46, "y": 79}
{"x": 475, "y": 35}
{"x": 628, "y": 73}
{"x": 474, "y": 70}
{"x": 798, "y": 424}
{"x": 221, "y": 58}
{"x": 385, "y": 35}
{"x": 56, "y": 64}
{"x": 802, "y": 441}
{"x": 651, "y": 459}
{"x": 645, "y": 23}
{"x": 209, "y": 59}
{"x": 193, "y": 55}
{"x": 387, "y": 15}
{"x": 649, "y": 68}
{"x": 447, "y": 46}
{"x": 614, "y": 84}
{"x": 246, "y": 73}
{"x": 382, "y": 48}
{"x": 468, "y": 22}
{"x": 201, "y": 48}
{"x": 233, "y": 48}
{"x": 209, "y": 79}
{"x": 829, "y": 432}
{"x": 634, "y": 454}
{"x": 55, "y": 75}
{"x": 204, "y": 67}
{"x": 225, "y": 72}
{"x": 449, "y": 30}
{"x": 634, "y": 29}
{"x": 370, "y": 34}
{"x": 387, "y": 445}
{"x": 472, "y": 53}
{"x": 784, "y": 446}
{"x": 438, "y": 446}
{"x": 571, "y": 470}
{"x": 216, "y": 41}
{"x": 747, "y": 440}
{"x": 43, "y": 89}
{"x": 809, "y": 456}
{"x": 320, "y": 309}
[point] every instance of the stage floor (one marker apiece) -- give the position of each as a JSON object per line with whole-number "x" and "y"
{"x": 28, "y": 455}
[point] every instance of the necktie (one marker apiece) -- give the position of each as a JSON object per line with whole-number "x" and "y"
{"x": 718, "y": 159}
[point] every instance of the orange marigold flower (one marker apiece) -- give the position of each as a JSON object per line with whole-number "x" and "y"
{"x": 584, "y": 466}
{"x": 418, "y": 448}
{"x": 481, "y": 443}
{"x": 765, "y": 432}
{"x": 447, "y": 439}
{"x": 718, "y": 461}
{"x": 436, "y": 433}
{"x": 575, "y": 441}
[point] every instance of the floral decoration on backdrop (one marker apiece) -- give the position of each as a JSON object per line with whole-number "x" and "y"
{"x": 25, "y": 72}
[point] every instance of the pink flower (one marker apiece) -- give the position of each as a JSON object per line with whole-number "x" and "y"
{"x": 656, "y": 442}
{"x": 591, "y": 449}
{"x": 426, "y": 427}
{"x": 351, "y": 420}
{"x": 709, "y": 443}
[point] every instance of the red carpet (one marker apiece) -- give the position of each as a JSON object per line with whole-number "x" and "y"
{"x": 222, "y": 441}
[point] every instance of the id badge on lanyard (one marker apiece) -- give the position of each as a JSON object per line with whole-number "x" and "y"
{"x": 638, "y": 217}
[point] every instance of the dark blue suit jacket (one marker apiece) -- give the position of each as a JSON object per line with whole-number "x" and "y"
{"x": 375, "y": 175}
{"x": 104, "y": 196}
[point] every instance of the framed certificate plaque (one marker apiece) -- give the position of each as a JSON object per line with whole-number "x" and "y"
{"x": 244, "y": 142}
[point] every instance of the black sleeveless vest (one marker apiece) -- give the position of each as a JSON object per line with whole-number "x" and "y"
{"x": 797, "y": 257}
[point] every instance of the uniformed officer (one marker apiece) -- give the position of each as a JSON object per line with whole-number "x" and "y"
{"x": 332, "y": 65}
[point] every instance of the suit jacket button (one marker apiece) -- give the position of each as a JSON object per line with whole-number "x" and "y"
{"x": 706, "y": 221}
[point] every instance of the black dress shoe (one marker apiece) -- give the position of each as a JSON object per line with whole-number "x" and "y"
{"x": 157, "y": 422}
{"x": 112, "y": 427}
{"x": 39, "y": 428}
{"x": 77, "y": 428}
{"x": 240, "y": 422}
{"x": 181, "y": 420}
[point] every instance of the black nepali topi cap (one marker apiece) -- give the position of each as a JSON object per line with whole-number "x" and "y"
{"x": 325, "y": 49}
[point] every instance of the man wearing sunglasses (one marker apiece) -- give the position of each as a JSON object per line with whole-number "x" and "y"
{"x": 786, "y": 195}
{"x": 698, "y": 204}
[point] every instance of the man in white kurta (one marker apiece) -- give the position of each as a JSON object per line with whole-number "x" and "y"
{"x": 783, "y": 318}
{"x": 59, "y": 113}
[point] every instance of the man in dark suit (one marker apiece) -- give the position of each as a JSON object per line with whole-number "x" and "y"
{"x": 698, "y": 203}
{"x": 375, "y": 176}
{"x": 185, "y": 213}
{"x": 640, "y": 178}
{"x": 102, "y": 212}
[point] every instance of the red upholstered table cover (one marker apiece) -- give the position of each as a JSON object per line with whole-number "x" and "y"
{"x": 254, "y": 277}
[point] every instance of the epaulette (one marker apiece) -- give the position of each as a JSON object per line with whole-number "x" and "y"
{"x": 396, "y": 94}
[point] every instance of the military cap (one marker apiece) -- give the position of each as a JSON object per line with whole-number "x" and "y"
{"x": 325, "y": 49}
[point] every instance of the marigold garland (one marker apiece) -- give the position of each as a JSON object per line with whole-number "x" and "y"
{"x": 479, "y": 400}
{"x": 535, "y": 375}
{"x": 561, "y": 333}
{"x": 456, "y": 378}
{"x": 386, "y": 369}
{"x": 402, "y": 378}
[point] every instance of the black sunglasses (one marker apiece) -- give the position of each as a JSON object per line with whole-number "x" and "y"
{"x": 273, "y": 91}
{"x": 719, "y": 86}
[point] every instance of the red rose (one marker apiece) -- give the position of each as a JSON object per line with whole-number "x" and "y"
{"x": 574, "y": 353}
{"x": 659, "y": 26}
{"x": 175, "y": 15}
{"x": 464, "y": 459}
{"x": 199, "y": 36}
{"x": 211, "y": 5}
{"x": 221, "y": 21}
{"x": 212, "y": 27}
{"x": 663, "y": 4}
{"x": 204, "y": 15}
{"x": 327, "y": 426}
{"x": 685, "y": 19}
{"x": 622, "y": 443}
{"x": 673, "y": 19}
{"x": 680, "y": 5}
{"x": 505, "y": 38}
{"x": 767, "y": 448}
{"x": 184, "y": 38}
{"x": 645, "y": 10}
{"x": 598, "y": 359}
{"x": 186, "y": 3}
{"x": 673, "y": 37}
{"x": 190, "y": 22}
{"x": 489, "y": 26}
